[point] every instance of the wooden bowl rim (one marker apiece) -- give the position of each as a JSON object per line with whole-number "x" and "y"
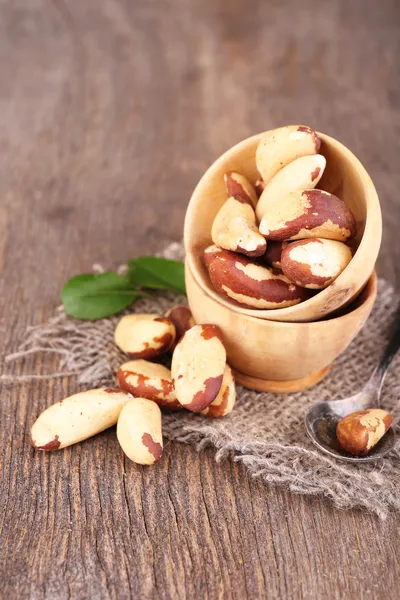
{"x": 373, "y": 217}
{"x": 370, "y": 290}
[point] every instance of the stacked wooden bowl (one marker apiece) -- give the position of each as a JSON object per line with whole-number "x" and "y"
{"x": 290, "y": 348}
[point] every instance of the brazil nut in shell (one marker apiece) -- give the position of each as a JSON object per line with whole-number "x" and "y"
{"x": 360, "y": 431}
{"x": 250, "y": 283}
{"x": 77, "y": 418}
{"x": 281, "y": 146}
{"x": 144, "y": 336}
{"x": 148, "y": 380}
{"x": 308, "y": 213}
{"x": 181, "y": 316}
{"x": 198, "y": 365}
{"x": 225, "y": 401}
{"x": 238, "y": 186}
{"x": 139, "y": 431}
{"x": 234, "y": 228}
{"x": 315, "y": 263}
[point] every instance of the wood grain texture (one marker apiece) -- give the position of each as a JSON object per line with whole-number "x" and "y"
{"x": 110, "y": 111}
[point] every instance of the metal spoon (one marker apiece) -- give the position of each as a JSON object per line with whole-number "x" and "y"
{"x": 322, "y": 418}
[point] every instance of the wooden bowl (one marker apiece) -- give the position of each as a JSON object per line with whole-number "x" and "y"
{"x": 344, "y": 176}
{"x": 276, "y": 356}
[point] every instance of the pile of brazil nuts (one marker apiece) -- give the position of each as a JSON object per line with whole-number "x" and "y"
{"x": 199, "y": 380}
{"x": 278, "y": 241}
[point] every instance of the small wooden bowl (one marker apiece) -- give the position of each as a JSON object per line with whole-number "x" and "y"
{"x": 274, "y": 356}
{"x": 344, "y": 176}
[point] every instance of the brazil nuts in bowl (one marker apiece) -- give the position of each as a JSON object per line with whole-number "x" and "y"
{"x": 284, "y": 226}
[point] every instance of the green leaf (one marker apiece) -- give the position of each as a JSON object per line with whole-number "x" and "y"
{"x": 157, "y": 273}
{"x": 97, "y": 296}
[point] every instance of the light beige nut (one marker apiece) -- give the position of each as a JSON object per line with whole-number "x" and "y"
{"x": 234, "y": 228}
{"x": 225, "y": 401}
{"x": 77, "y": 418}
{"x": 148, "y": 380}
{"x": 249, "y": 283}
{"x": 259, "y": 187}
{"x": 198, "y": 365}
{"x": 238, "y": 186}
{"x": 316, "y": 262}
{"x": 272, "y": 256}
{"x": 302, "y": 174}
{"x": 139, "y": 431}
{"x": 308, "y": 214}
{"x": 181, "y": 316}
{"x": 144, "y": 336}
{"x": 280, "y": 147}
{"x": 360, "y": 431}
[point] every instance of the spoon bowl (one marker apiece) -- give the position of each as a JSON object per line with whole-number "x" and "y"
{"x": 321, "y": 419}
{"x": 321, "y": 422}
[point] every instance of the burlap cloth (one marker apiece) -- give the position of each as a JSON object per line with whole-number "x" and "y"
{"x": 265, "y": 431}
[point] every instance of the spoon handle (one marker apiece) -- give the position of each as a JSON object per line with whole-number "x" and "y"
{"x": 379, "y": 372}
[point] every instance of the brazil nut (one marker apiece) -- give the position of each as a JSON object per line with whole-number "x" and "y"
{"x": 315, "y": 263}
{"x": 139, "y": 431}
{"x": 238, "y": 186}
{"x": 272, "y": 256}
{"x": 198, "y": 365}
{"x": 234, "y": 228}
{"x": 77, "y": 418}
{"x": 148, "y": 380}
{"x": 225, "y": 401}
{"x": 306, "y": 214}
{"x": 144, "y": 336}
{"x": 181, "y": 316}
{"x": 302, "y": 174}
{"x": 249, "y": 283}
{"x": 281, "y": 146}
{"x": 360, "y": 431}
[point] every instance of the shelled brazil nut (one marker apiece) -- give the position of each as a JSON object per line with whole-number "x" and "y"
{"x": 360, "y": 431}
{"x": 250, "y": 283}
{"x": 198, "y": 366}
{"x": 144, "y": 336}
{"x": 303, "y": 173}
{"x": 234, "y": 228}
{"x": 182, "y": 318}
{"x": 315, "y": 263}
{"x": 77, "y": 418}
{"x": 280, "y": 147}
{"x": 226, "y": 398}
{"x": 139, "y": 431}
{"x": 308, "y": 213}
{"x": 148, "y": 380}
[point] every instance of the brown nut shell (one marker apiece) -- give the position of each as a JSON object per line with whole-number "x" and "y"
{"x": 225, "y": 401}
{"x": 144, "y": 336}
{"x": 234, "y": 228}
{"x": 308, "y": 214}
{"x": 198, "y": 365}
{"x": 148, "y": 380}
{"x": 315, "y": 263}
{"x": 77, "y": 418}
{"x": 238, "y": 186}
{"x": 281, "y": 146}
{"x": 302, "y": 174}
{"x": 272, "y": 256}
{"x": 181, "y": 316}
{"x": 249, "y": 283}
{"x": 139, "y": 431}
{"x": 360, "y": 431}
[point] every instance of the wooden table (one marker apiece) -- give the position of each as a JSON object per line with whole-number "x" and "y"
{"x": 110, "y": 111}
